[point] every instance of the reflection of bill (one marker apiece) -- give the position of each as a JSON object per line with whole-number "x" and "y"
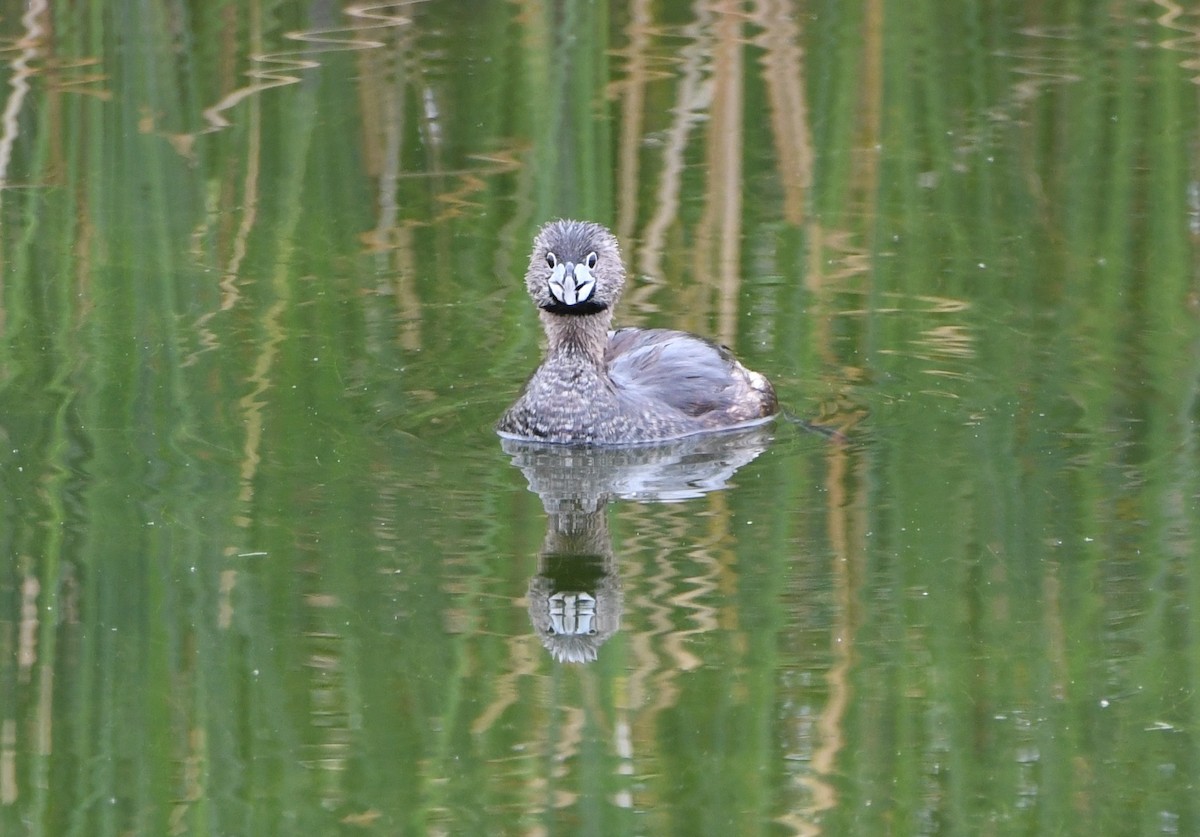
{"x": 575, "y": 599}
{"x": 572, "y": 614}
{"x": 572, "y": 625}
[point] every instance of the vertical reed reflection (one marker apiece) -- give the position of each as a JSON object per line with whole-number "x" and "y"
{"x": 264, "y": 564}
{"x": 719, "y": 231}
{"x": 632, "y": 93}
{"x": 693, "y": 92}
{"x": 29, "y": 49}
{"x": 785, "y": 82}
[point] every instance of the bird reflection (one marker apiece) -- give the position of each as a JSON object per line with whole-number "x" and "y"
{"x": 575, "y": 597}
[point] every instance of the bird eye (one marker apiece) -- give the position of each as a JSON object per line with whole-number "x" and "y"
{"x": 551, "y": 260}
{"x": 591, "y": 260}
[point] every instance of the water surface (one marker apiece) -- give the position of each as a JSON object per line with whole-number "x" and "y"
{"x": 266, "y": 569}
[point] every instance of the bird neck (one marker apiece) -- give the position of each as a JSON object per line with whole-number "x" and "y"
{"x": 583, "y": 334}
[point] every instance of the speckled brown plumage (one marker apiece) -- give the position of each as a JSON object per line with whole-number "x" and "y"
{"x": 602, "y": 387}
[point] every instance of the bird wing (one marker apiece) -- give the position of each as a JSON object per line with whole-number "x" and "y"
{"x": 689, "y": 373}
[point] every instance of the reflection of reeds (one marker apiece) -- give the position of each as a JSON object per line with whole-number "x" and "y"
{"x": 784, "y": 80}
{"x": 522, "y": 663}
{"x": 692, "y": 100}
{"x": 848, "y": 521}
{"x": 183, "y": 679}
{"x": 279, "y": 69}
{"x": 247, "y": 201}
{"x": 698, "y": 596}
{"x": 632, "y": 92}
{"x": 330, "y": 710}
{"x": 29, "y": 48}
{"x": 719, "y": 231}
{"x": 652, "y": 684}
{"x": 1175, "y": 17}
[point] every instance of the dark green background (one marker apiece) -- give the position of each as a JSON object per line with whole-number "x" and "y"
{"x": 263, "y": 564}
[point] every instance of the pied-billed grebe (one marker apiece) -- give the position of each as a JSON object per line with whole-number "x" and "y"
{"x": 604, "y": 387}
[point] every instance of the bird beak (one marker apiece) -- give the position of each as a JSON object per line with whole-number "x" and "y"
{"x": 571, "y": 283}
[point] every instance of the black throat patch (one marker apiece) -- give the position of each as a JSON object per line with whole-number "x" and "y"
{"x": 589, "y": 306}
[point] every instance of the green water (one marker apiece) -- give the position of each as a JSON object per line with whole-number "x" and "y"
{"x": 265, "y": 569}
